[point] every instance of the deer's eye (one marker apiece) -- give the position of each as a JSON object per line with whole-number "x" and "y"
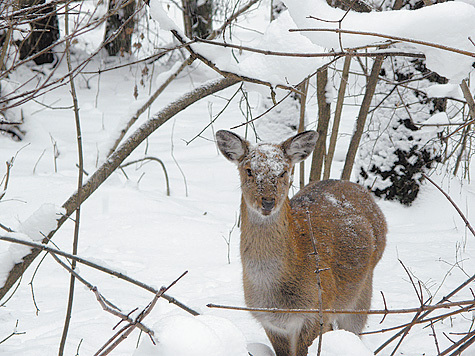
{"x": 282, "y": 175}
{"x": 249, "y": 172}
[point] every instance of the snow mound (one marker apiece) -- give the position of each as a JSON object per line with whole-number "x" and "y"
{"x": 340, "y": 343}
{"x": 194, "y": 336}
{"x": 257, "y": 349}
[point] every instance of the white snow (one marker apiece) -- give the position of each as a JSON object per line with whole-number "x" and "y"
{"x": 10, "y": 254}
{"x": 34, "y": 228}
{"x": 444, "y": 91}
{"x": 159, "y": 15}
{"x": 41, "y": 222}
{"x": 194, "y": 336}
{"x": 340, "y": 343}
{"x": 269, "y": 68}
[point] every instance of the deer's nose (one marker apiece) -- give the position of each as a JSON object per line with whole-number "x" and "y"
{"x": 268, "y": 204}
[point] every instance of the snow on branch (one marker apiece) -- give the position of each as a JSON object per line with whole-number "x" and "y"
{"x": 446, "y": 25}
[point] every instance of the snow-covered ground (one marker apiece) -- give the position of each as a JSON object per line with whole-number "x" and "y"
{"x": 132, "y": 226}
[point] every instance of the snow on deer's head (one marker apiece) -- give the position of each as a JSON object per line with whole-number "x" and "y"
{"x": 265, "y": 168}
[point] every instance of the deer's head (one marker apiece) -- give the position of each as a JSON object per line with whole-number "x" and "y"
{"x": 265, "y": 168}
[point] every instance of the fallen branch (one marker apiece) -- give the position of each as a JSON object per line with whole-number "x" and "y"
{"x": 115, "y": 160}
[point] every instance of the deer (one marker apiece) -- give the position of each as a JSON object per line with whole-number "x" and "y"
{"x": 332, "y": 224}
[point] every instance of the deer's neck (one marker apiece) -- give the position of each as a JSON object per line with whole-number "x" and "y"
{"x": 266, "y": 238}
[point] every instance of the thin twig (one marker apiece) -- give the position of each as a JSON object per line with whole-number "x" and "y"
{"x": 13, "y": 333}
{"x": 149, "y": 158}
{"x": 127, "y": 330}
{"x": 105, "y": 304}
{"x": 349, "y": 52}
{"x": 319, "y": 282}
{"x": 465, "y": 220}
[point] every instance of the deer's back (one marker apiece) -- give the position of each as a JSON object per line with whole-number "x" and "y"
{"x": 348, "y": 227}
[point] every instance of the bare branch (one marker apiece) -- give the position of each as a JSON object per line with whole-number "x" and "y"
{"x": 444, "y": 305}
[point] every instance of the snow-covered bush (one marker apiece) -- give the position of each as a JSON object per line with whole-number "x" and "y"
{"x": 396, "y": 148}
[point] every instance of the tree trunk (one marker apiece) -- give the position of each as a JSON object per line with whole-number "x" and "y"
{"x": 303, "y": 104}
{"x": 324, "y": 110}
{"x": 120, "y": 25}
{"x": 198, "y": 18}
{"x": 44, "y": 32}
{"x": 361, "y": 120}
{"x": 337, "y": 117}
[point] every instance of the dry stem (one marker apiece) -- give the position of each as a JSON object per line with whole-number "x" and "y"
{"x": 79, "y": 185}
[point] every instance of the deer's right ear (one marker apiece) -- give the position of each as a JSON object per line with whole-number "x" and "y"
{"x": 232, "y": 146}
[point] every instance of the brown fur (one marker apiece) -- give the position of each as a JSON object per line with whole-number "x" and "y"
{"x": 278, "y": 271}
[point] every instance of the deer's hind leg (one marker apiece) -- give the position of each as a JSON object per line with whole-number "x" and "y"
{"x": 280, "y": 343}
{"x": 356, "y": 322}
{"x": 309, "y": 332}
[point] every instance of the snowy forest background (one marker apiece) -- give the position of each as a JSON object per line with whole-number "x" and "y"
{"x": 113, "y": 186}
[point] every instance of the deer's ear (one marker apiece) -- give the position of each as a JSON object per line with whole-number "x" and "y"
{"x": 299, "y": 147}
{"x": 232, "y": 146}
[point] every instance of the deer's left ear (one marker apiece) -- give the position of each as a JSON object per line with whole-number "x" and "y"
{"x": 299, "y": 147}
